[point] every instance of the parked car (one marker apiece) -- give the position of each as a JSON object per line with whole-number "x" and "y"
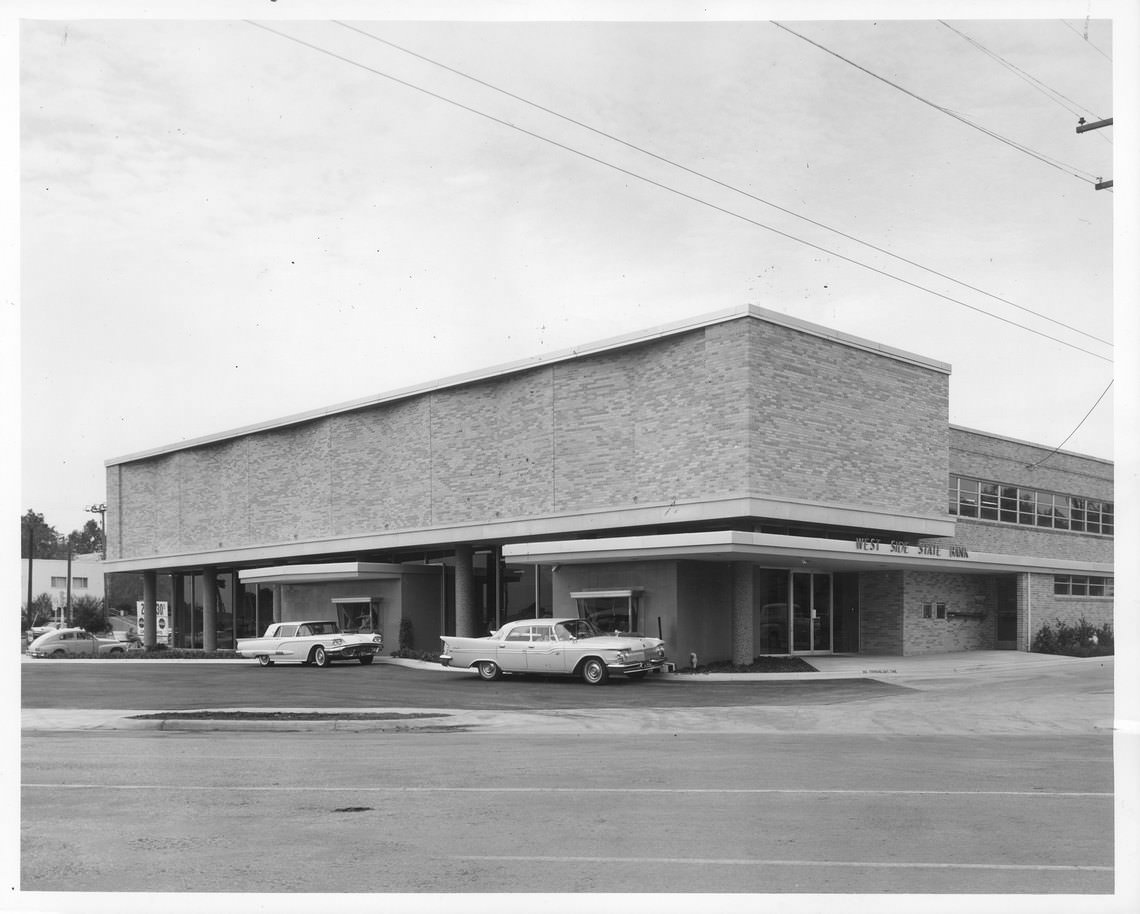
{"x": 568, "y": 647}
{"x": 77, "y": 642}
{"x": 316, "y": 642}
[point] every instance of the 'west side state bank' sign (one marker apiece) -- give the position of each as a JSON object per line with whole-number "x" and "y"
{"x": 896, "y": 547}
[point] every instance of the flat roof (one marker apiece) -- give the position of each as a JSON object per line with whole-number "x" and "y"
{"x": 564, "y": 355}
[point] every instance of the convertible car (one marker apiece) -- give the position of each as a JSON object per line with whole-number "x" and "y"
{"x": 570, "y": 647}
{"x": 316, "y": 642}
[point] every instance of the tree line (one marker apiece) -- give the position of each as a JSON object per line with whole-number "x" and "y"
{"x": 41, "y": 540}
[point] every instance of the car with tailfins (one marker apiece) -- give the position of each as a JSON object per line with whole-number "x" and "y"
{"x": 565, "y": 647}
{"x": 317, "y": 642}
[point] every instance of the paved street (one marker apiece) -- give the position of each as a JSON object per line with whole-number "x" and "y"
{"x": 815, "y": 786}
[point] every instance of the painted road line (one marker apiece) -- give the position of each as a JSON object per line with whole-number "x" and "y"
{"x": 731, "y": 861}
{"x": 284, "y": 788}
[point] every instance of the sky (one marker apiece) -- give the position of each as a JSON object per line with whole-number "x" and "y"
{"x": 224, "y": 221}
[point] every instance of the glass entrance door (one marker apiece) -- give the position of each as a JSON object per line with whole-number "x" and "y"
{"x": 811, "y": 612}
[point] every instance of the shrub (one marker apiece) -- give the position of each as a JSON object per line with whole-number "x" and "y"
{"x": 1074, "y": 639}
{"x": 408, "y": 654}
{"x": 40, "y": 612}
{"x": 407, "y": 635}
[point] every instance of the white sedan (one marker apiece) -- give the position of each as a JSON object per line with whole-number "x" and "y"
{"x": 567, "y": 647}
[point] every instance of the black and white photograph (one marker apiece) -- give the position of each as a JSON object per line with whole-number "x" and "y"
{"x": 571, "y": 454}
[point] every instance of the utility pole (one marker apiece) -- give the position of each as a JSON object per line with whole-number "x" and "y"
{"x": 1083, "y": 127}
{"x": 101, "y": 510}
{"x": 31, "y": 558}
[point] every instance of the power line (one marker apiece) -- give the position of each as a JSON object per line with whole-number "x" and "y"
{"x": 1052, "y": 94}
{"x": 716, "y": 181}
{"x": 1034, "y": 466}
{"x": 1085, "y": 39}
{"x": 1041, "y": 157}
{"x": 666, "y": 187}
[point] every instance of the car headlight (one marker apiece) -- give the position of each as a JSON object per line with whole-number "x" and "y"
{"x": 661, "y": 651}
{"x": 622, "y": 656}
{"x": 337, "y": 641}
{"x": 377, "y": 639}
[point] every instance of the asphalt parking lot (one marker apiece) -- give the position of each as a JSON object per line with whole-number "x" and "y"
{"x": 181, "y": 685}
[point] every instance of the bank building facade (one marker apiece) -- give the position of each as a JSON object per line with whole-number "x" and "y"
{"x": 743, "y": 483}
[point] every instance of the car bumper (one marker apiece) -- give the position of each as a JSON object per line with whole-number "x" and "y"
{"x": 353, "y": 651}
{"x": 638, "y": 666}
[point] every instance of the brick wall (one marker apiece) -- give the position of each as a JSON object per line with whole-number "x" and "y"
{"x": 881, "y": 603}
{"x": 838, "y": 424}
{"x": 1045, "y": 607}
{"x": 742, "y": 407}
{"x": 995, "y": 459}
{"x": 960, "y": 593}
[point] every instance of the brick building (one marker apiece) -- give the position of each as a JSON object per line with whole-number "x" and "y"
{"x": 743, "y": 483}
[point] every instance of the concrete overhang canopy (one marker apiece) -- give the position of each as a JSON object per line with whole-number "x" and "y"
{"x": 779, "y": 551}
{"x": 316, "y": 574}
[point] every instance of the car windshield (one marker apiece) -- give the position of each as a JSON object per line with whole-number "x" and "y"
{"x": 575, "y": 628}
{"x": 319, "y": 628}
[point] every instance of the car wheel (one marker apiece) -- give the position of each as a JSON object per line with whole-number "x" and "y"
{"x": 59, "y": 653}
{"x": 488, "y": 670}
{"x": 264, "y": 660}
{"x": 366, "y": 661}
{"x": 115, "y": 651}
{"x": 320, "y": 658}
{"x": 594, "y": 671}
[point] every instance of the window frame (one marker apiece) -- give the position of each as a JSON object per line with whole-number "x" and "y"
{"x": 996, "y": 502}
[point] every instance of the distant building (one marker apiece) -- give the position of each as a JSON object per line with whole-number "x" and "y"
{"x": 50, "y": 576}
{"x": 743, "y": 483}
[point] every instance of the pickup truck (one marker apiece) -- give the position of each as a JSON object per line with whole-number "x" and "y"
{"x": 316, "y": 642}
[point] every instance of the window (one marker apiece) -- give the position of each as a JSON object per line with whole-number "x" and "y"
{"x": 81, "y": 583}
{"x": 934, "y": 610}
{"x": 610, "y": 610}
{"x": 58, "y": 582}
{"x": 989, "y": 501}
{"x": 1080, "y": 585}
{"x": 993, "y": 501}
